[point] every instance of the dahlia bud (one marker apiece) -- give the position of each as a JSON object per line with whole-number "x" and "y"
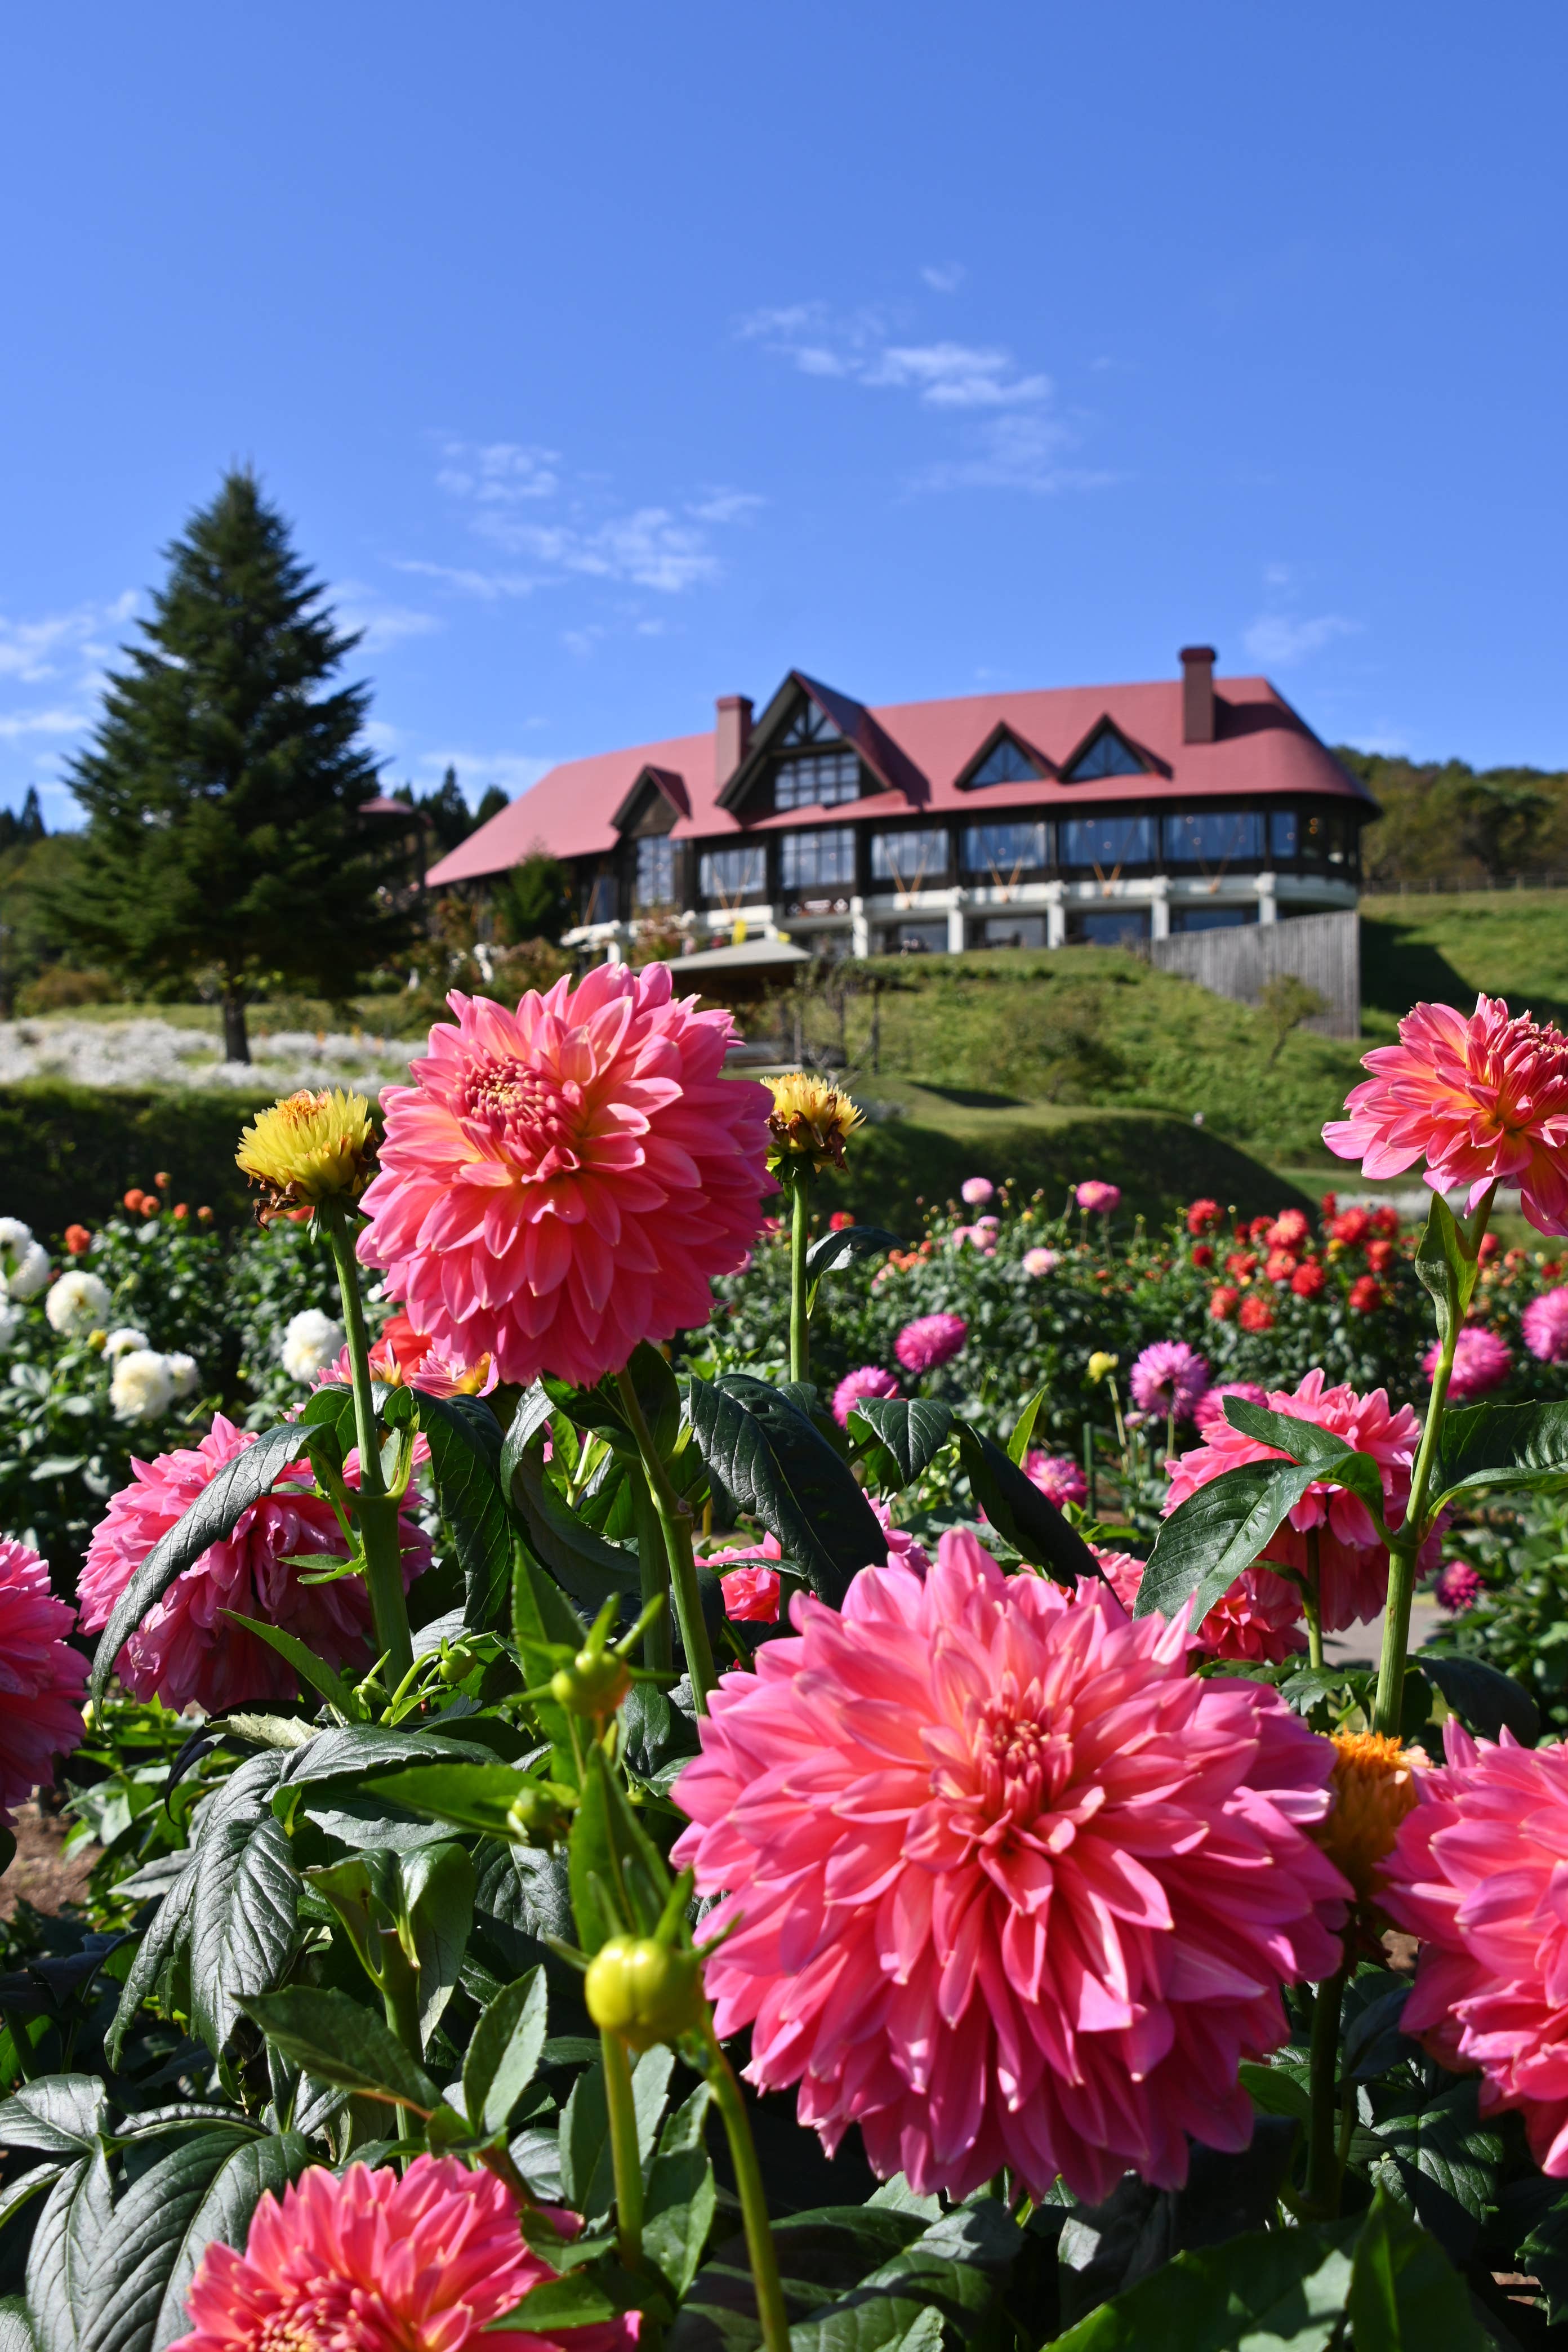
{"x": 310, "y": 1150}
{"x": 646, "y": 1991}
{"x": 594, "y": 1684}
{"x": 538, "y": 1816}
{"x": 810, "y": 1122}
{"x": 1375, "y": 1787}
{"x": 1100, "y": 1363}
{"x": 98, "y": 1341}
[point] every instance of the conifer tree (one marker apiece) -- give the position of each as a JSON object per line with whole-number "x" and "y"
{"x": 224, "y": 785}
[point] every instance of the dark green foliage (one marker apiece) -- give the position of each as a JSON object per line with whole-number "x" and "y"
{"x": 225, "y": 784}
{"x": 1448, "y": 821}
{"x": 69, "y": 1153}
{"x": 534, "y": 900}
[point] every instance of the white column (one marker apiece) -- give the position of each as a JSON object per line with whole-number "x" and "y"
{"x": 955, "y": 927}
{"x": 1159, "y": 907}
{"x": 1267, "y": 904}
{"x": 860, "y": 929}
{"x": 613, "y": 953}
{"x": 1055, "y": 916}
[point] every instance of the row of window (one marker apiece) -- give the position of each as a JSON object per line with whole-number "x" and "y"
{"x": 914, "y": 856}
{"x": 819, "y": 777}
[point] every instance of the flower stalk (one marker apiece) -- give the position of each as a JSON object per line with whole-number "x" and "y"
{"x": 1322, "y": 2154}
{"x": 1312, "y": 1605}
{"x": 759, "y": 2246}
{"x": 674, "y": 1516}
{"x": 374, "y": 1510}
{"x": 625, "y": 2155}
{"x": 799, "y": 1305}
{"x": 653, "y": 1562}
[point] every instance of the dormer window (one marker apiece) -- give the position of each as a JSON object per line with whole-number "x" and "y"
{"x": 1006, "y": 762}
{"x": 1107, "y": 755}
{"x": 817, "y": 780}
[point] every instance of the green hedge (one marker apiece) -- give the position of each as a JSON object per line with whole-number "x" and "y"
{"x": 68, "y": 1153}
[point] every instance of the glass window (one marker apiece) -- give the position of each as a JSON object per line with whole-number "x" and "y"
{"x": 1107, "y": 755}
{"x": 655, "y": 872}
{"x": 1211, "y": 919}
{"x": 601, "y": 902}
{"x": 1325, "y": 839}
{"x": 1117, "y": 927}
{"x": 809, "y": 859}
{"x": 1004, "y": 851}
{"x": 1010, "y": 932}
{"x": 909, "y": 858}
{"x": 1214, "y": 837}
{"x": 914, "y": 939}
{"x": 1283, "y": 834}
{"x": 811, "y": 725}
{"x": 1107, "y": 842}
{"x": 1005, "y": 763}
{"x": 817, "y": 780}
{"x": 733, "y": 874}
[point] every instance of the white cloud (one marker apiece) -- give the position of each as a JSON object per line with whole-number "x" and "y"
{"x": 943, "y": 277}
{"x": 499, "y": 472}
{"x": 505, "y": 489}
{"x": 32, "y": 651}
{"x": 379, "y": 624}
{"x": 1017, "y": 451}
{"x": 1277, "y": 640}
{"x": 726, "y": 506}
{"x": 489, "y": 585}
{"x": 476, "y": 771}
{"x": 16, "y": 723}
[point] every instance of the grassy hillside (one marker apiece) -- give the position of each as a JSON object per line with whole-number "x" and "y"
{"x": 1512, "y": 943}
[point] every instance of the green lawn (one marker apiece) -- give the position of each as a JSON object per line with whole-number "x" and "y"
{"x": 1511, "y": 943}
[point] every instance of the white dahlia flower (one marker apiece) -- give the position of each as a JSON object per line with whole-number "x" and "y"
{"x": 77, "y": 1303}
{"x": 27, "y": 1269}
{"x": 121, "y": 1341}
{"x": 141, "y": 1388}
{"x": 311, "y": 1343}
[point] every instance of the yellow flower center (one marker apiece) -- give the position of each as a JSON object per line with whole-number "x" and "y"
{"x": 1375, "y": 1787}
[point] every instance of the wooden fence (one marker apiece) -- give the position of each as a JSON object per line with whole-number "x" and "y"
{"x": 1324, "y": 950}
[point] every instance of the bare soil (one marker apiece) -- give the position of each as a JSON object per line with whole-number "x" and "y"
{"x": 39, "y": 1875}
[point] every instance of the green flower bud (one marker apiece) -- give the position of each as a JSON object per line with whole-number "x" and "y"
{"x": 594, "y": 1684}
{"x": 646, "y": 1991}
{"x": 537, "y": 1817}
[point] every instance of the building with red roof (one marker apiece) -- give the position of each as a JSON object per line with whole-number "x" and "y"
{"x": 1103, "y": 813}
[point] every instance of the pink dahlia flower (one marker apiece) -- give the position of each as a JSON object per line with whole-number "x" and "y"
{"x": 1481, "y": 1362}
{"x": 1210, "y": 1406}
{"x": 1353, "y": 1565}
{"x": 562, "y": 1182}
{"x": 977, "y": 1189}
{"x": 1458, "y": 1587}
{"x": 1545, "y": 1326}
{"x": 1002, "y": 1882}
{"x": 185, "y": 1650}
{"x": 930, "y": 1340}
{"x": 1098, "y": 1198}
{"x": 1257, "y": 1619}
{"x": 1058, "y": 1477}
{"x": 1481, "y": 1100}
{"x": 404, "y": 1358}
{"x": 372, "y": 2262}
{"x": 41, "y": 1677}
{"x": 902, "y": 1550}
{"x": 867, "y": 1380}
{"x": 1477, "y": 1873}
{"x": 1038, "y": 1262}
{"x": 1168, "y": 1378}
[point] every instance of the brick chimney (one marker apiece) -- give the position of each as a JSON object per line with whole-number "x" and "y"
{"x": 731, "y": 734}
{"x": 1198, "y": 694}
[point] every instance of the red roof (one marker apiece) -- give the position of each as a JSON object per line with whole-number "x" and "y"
{"x": 1262, "y": 746}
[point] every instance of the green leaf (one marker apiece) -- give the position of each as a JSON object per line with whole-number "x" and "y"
{"x": 1444, "y": 1268}
{"x": 140, "y": 2247}
{"x": 679, "y": 2205}
{"x": 351, "y": 1748}
{"x": 63, "y": 2258}
{"x": 901, "y": 1435}
{"x": 15, "y": 2331}
{"x": 465, "y": 1441}
{"x": 1440, "y": 2138}
{"x": 1482, "y": 1697}
{"x": 952, "y": 2276}
{"x": 1302, "y": 1440}
{"x": 1021, "y": 1514}
{"x": 162, "y": 1938}
{"x": 59, "y": 2114}
{"x": 1269, "y": 2291}
{"x": 223, "y": 2217}
{"x": 212, "y": 1516}
{"x": 469, "y": 1796}
{"x": 1023, "y": 1428}
{"x": 504, "y": 2052}
{"x": 559, "y": 2304}
{"x": 768, "y": 1456}
{"x": 337, "y": 2041}
{"x": 313, "y": 1672}
{"x": 834, "y": 1251}
{"x": 659, "y": 1394}
{"x": 586, "y": 2170}
{"x": 590, "y": 1568}
{"x": 1482, "y": 1445}
{"x": 1403, "y": 2294}
{"x": 1217, "y": 1532}
{"x": 244, "y": 1915}
{"x": 438, "y": 1899}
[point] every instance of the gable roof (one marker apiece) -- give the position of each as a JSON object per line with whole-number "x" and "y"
{"x": 916, "y": 755}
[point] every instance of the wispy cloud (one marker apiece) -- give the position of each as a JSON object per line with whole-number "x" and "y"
{"x": 1016, "y": 453}
{"x": 62, "y": 643}
{"x": 378, "y": 624}
{"x": 1281, "y": 640}
{"x": 15, "y": 724}
{"x": 514, "y": 772}
{"x": 943, "y": 277}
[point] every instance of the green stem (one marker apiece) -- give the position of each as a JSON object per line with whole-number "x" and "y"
{"x": 1404, "y": 1550}
{"x": 1090, "y": 1502}
{"x": 658, "y": 1642}
{"x": 375, "y": 1511}
{"x": 625, "y": 2153}
{"x": 759, "y": 2244}
{"x": 799, "y": 1321}
{"x": 400, "y": 2002}
{"x": 1313, "y": 1599}
{"x": 675, "y": 1520}
{"x": 1323, "y": 2158}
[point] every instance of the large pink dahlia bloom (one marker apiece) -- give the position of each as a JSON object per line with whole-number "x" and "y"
{"x": 1258, "y": 1618}
{"x": 1545, "y": 1324}
{"x": 41, "y": 1677}
{"x": 1481, "y": 1100}
{"x": 866, "y": 1381}
{"x": 1006, "y": 1885}
{"x": 1168, "y": 1378}
{"x": 1477, "y": 1873}
{"x": 1353, "y": 1565}
{"x": 930, "y": 1340}
{"x": 372, "y": 2262}
{"x": 566, "y": 1180}
{"x": 1481, "y": 1362}
{"x": 185, "y": 1649}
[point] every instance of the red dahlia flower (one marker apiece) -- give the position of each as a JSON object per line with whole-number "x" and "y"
{"x": 1258, "y": 1618}
{"x": 1002, "y": 1882}
{"x": 564, "y": 1180}
{"x": 1222, "y": 1303}
{"x": 41, "y": 1677}
{"x": 1203, "y": 1216}
{"x": 1481, "y": 1101}
{"x": 1308, "y": 1279}
{"x": 1365, "y": 1296}
{"x": 1257, "y": 1315}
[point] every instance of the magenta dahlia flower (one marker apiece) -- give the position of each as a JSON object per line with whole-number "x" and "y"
{"x": 1353, "y": 1565}
{"x": 1477, "y": 1873}
{"x": 867, "y": 1380}
{"x": 748, "y": 1580}
{"x": 1168, "y": 1378}
{"x": 41, "y": 1677}
{"x": 1002, "y": 1884}
{"x": 185, "y": 1650}
{"x": 1482, "y": 1101}
{"x": 930, "y": 1340}
{"x": 423, "y": 2262}
{"x": 977, "y": 1189}
{"x": 1545, "y": 1326}
{"x": 1259, "y": 1618}
{"x": 1210, "y": 1406}
{"x": 1096, "y": 1198}
{"x": 1457, "y": 1587}
{"x": 1058, "y": 1477}
{"x": 565, "y": 1180}
{"x": 1481, "y": 1362}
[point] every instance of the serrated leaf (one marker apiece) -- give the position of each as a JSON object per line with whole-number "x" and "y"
{"x": 504, "y": 2052}
{"x": 1484, "y": 1698}
{"x": 244, "y": 1918}
{"x": 590, "y": 1568}
{"x": 223, "y": 2217}
{"x": 1021, "y": 1514}
{"x": 1269, "y": 2291}
{"x": 1443, "y": 1267}
{"x": 951, "y": 2276}
{"x": 465, "y": 1441}
{"x": 1214, "y": 1535}
{"x": 139, "y": 2248}
{"x": 901, "y": 1435}
{"x": 682, "y": 2196}
{"x": 213, "y": 1515}
{"x": 62, "y": 2259}
{"x": 469, "y": 1796}
{"x": 834, "y": 1251}
{"x": 438, "y": 1896}
{"x": 59, "y": 2114}
{"x": 1441, "y": 2137}
{"x": 161, "y": 1938}
{"x": 1486, "y": 1445}
{"x": 781, "y": 1469}
{"x": 586, "y": 2166}
{"x": 356, "y": 1748}
{"x": 338, "y": 2041}
{"x": 1304, "y": 1441}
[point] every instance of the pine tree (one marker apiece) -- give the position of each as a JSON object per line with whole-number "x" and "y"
{"x": 224, "y": 785}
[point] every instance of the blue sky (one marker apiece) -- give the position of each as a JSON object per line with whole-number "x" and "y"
{"x": 609, "y": 358}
